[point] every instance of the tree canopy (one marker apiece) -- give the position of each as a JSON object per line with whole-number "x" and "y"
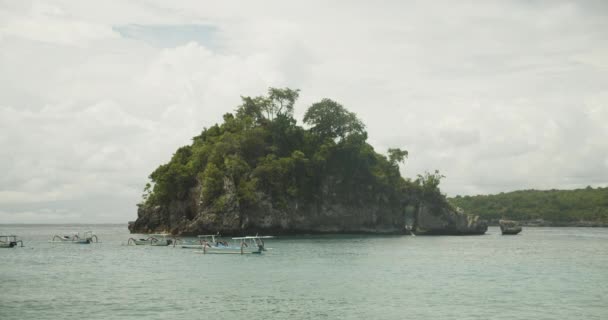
{"x": 396, "y": 155}
{"x": 259, "y": 152}
{"x": 329, "y": 119}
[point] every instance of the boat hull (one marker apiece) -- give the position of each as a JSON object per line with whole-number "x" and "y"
{"x": 86, "y": 241}
{"x": 151, "y": 243}
{"x": 229, "y": 250}
{"x": 192, "y": 246}
{"x": 8, "y": 245}
{"x": 511, "y": 232}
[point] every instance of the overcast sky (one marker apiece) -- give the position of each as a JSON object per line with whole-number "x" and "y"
{"x": 94, "y": 95}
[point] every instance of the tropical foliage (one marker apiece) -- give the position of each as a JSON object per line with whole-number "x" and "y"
{"x": 589, "y": 204}
{"x": 260, "y": 152}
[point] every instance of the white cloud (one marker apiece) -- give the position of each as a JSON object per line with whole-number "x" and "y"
{"x": 497, "y": 96}
{"x": 51, "y": 24}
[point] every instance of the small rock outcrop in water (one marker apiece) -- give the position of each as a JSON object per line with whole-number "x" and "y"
{"x": 260, "y": 172}
{"x": 447, "y": 221}
{"x": 509, "y": 227}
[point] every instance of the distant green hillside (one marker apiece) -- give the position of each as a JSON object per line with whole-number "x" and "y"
{"x": 587, "y": 204}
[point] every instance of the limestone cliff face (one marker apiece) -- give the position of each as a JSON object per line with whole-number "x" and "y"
{"x": 332, "y": 212}
{"x": 445, "y": 221}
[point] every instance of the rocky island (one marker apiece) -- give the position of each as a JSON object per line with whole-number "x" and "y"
{"x": 260, "y": 172}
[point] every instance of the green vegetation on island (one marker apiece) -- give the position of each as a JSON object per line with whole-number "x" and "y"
{"x": 260, "y": 170}
{"x": 261, "y": 148}
{"x": 587, "y": 206}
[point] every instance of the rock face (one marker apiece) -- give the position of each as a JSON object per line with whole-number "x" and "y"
{"x": 445, "y": 221}
{"x": 509, "y": 227}
{"x": 329, "y": 216}
{"x": 333, "y": 212}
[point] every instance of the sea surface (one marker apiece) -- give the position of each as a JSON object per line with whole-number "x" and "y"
{"x": 543, "y": 273}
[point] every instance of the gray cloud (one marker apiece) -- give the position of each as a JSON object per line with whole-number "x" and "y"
{"x": 496, "y": 95}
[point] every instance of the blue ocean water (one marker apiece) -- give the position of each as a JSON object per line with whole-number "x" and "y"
{"x": 543, "y": 273}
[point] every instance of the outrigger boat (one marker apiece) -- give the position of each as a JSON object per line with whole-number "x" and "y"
{"x": 203, "y": 240}
{"x": 76, "y": 238}
{"x": 9, "y": 241}
{"x": 156, "y": 240}
{"x": 240, "y": 245}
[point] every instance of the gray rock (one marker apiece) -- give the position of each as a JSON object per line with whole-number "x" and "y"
{"x": 442, "y": 220}
{"x": 332, "y": 212}
{"x": 509, "y": 227}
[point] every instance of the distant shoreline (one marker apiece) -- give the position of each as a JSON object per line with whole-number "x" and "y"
{"x": 62, "y": 224}
{"x": 543, "y": 223}
{"x": 491, "y": 223}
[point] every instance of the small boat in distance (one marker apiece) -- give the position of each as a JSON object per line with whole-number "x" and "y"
{"x": 75, "y": 238}
{"x": 9, "y": 241}
{"x": 509, "y": 227}
{"x": 155, "y": 240}
{"x": 239, "y": 245}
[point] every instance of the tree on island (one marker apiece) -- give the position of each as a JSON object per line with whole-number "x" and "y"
{"x": 330, "y": 120}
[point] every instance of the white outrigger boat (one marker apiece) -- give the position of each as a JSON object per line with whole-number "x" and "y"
{"x": 240, "y": 245}
{"x": 155, "y": 240}
{"x": 9, "y": 241}
{"x": 75, "y": 238}
{"x": 203, "y": 240}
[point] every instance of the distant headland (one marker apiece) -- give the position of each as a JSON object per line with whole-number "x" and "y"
{"x": 586, "y": 207}
{"x": 259, "y": 171}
